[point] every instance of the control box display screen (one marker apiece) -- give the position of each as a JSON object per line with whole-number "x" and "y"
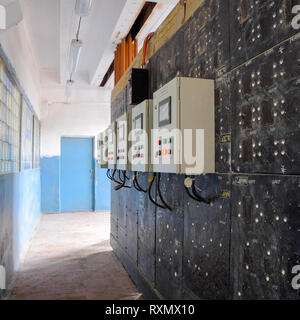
{"x": 138, "y": 122}
{"x": 121, "y": 131}
{"x": 110, "y": 138}
{"x": 164, "y": 112}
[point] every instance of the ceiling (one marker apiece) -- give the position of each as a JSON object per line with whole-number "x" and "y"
{"x": 43, "y": 17}
{"x": 53, "y": 24}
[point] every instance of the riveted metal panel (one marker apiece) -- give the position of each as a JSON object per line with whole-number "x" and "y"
{"x": 113, "y": 227}
{"x": 223, "y": 120}
{"x": 271, "y": 132}
{"x": 122, "y": 237}
{"x": 146, "y": 229}
{"x": 131, "y": 228}
{"x": 114, "y": 202}
{"x": 257, "y": 26}
{"x": 119, "y": 105}
{"x": 132, "y": 201}
{"x": 169, "y": 237}
{"x": 120, "y": 195}
{"x": 265, "y": 99}
{"x": 207, "y": 239}
{"x": 265, "y": 241}
{"x": 206, "y": 40}
{"x": 167, "y": 63}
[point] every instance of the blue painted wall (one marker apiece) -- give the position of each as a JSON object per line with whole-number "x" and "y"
{"x": 50, "y": 168}
{"x": 20, "y": 195}
{"x": 102, "y": 189}
{"x": 50, "y": 186}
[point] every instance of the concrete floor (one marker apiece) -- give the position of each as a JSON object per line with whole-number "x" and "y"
{"x": 70, "y": 258}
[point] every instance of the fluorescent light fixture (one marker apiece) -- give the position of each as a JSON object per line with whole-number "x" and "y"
{"x": 82, "y": 7}
{"x": 75, "y": 50}
{"x": 10, "y": 14}
{"x": 69, "y": 89}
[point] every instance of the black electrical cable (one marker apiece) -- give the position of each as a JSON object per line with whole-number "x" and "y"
{"x": 126, "y": 178}
{"x": 134, "y": 182}
{"x": 135, "y": 186}
{"x": 126, "y": 175}
{"x": 108, "y": 174}
{"x": 113, "y": 177}
{"x": 150, "y": 196}
{"x": 120, "y": 183}
{"x": 160, "y": 195}
{"x": 137, "y": 183}
{"x": 195, "y": 195}
{"x": 190, "y": 195}
{"x": 198, "y": 195}
{"x": 123, "y": 181}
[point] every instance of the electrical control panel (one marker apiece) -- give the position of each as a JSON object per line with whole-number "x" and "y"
{"x": 123, "y": 128}
{"x": 99, "y": 142}
{"x": 183, "y": 135}
{"x": 112, "y": 145}
{"x": 141, "y": 124}
{"x": 102, "y": 149}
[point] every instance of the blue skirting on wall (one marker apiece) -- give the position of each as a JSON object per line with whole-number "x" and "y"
{"x": 102, "y": 189}
{"x": 50, "y": 184}
{"x": 20, "y": 195}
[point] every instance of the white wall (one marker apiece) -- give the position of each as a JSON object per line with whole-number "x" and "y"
{"x": 16, "y": 43}
{"x": 87, "y": 114}
{"x": 73, "y": 120}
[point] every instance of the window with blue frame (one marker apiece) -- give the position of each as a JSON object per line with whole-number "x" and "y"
{"x": 10, "y": 113}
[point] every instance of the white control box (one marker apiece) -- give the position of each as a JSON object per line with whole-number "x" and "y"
{"x": 102, "y": 149}
{"x": 112, "y": 146}
{"x": 99, "y": 146}
{"x": 123, "y": 145}
{"x": 141, "y": 124}
{"x": 183, "y": 135}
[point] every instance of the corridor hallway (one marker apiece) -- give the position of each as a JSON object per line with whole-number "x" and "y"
{"x": 69, "y": 257}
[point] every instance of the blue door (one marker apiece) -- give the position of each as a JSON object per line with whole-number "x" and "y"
{"x": 76, "y": 174}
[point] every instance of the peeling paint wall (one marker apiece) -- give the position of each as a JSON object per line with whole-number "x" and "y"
{"x": 19, "y": 213}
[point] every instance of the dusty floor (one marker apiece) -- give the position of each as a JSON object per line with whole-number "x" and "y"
{"x": 70, "y": 258}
